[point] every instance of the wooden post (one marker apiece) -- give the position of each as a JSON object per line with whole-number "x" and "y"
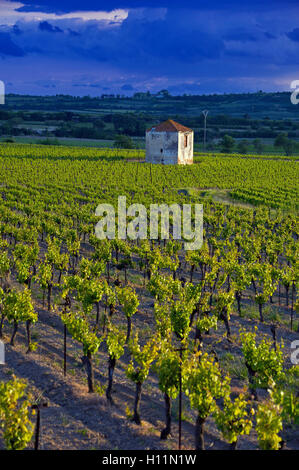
{"x": 180, "y": 350}
{"x": 180, "y": 403}
{"x": 292, "y": 305}
{"x": 64, "y": 351}
{"x": 37, "y": 426}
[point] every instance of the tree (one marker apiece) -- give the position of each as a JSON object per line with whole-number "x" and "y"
{"x": 139, "y": 366}
{"x": 224, "y": 303}
{"x": 227, "y": 144}
{"x": 289, "y": 147}
{"x": 285, "y": 394}
{"x": 123, "y": 142}
{"x": 128, "y": 299}
{"x": 258, "y": 146}
{"x": 243, "y": 147}
{"x": 263, "y": 363}
{"x": 264, "y": 283}
{"x": 115, "y": 344}
{"x": 203, "y": 384}
{"x": 168, "y": 370}
{"x": 18, "y": 307}
{"x": 55, "y": 258}
{"x": 234, "y": 419}
{"x": 78, "y": 326}
{"x": 25, "y": 257}
{"x": 180, "y": 313}
{"x": 205, "y": 321}
{"x": 163, "y": 93}
{"x": 192, "y": 259}
{"x": 163, "y": 287}
{"x": 110, "y": 299}
{"x": 286, "y": 144}
{"x": 269, "y": 424}
{"x": 45, "y": 277}
{"x": 281, "y": 139}
{"x": 287, "y": 277}
{"x": 4, "y": 265}
{"x": 89, "y": 292}
{"x": 73, "y": 245}
{"x": 240, "y": 281}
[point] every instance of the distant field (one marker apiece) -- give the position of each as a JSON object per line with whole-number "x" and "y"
{"x": 66, "y": 141}
{"x": 269, "y": 149}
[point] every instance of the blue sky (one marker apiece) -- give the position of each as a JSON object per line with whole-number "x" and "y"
{"x": 95, "y": 47}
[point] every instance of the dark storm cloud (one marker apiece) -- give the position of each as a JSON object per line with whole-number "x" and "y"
{"x": 127, "y": 87}
{"x": 45, "y": 26}
{"x": 16, "y": 30}
{"x": 293, "y": 35}
{"x": 241, "y": 35}
{"x": 168, "y": 39}
{"x": 160, "y": 43}
{"x": 73, "y": 33}
{"x": 66, "y": 6}
{"x": 8, "y": 47}
{"x": 185, "y": 46}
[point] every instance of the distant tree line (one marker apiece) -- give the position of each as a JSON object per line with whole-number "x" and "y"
{"x": 229, "y": 145}
{"x": 110, "y": 125}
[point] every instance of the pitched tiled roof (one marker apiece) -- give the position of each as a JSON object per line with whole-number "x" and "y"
{"x": 169, "y": 126}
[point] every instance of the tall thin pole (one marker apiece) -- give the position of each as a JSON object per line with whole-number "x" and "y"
{"x": 180, "y": 350}
{"x": 37, "y": 426}
{"x": 64, "y": 351}
{"x": 205, "y": 114}
{"x": 292, "y": 307}
{"x": 180, "y": 403}
{"x": 37, "y": 430}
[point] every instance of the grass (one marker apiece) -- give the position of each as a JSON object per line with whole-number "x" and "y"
{"x": 251, "y": 312}
{"x": 35, "y": 335}
{"x": 186, "y": 416}
{"x": 270, "y": 314}
{"x": 100, "y": 389}
{"x": 234, "y": 366}
{"x": 65, "y": 420}
{"x": 129, "y": 413}
{"x": 145, "y": 332}
{"x": 65, "y": 141}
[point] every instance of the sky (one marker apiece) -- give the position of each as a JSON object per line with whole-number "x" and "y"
{"x": 123, "y": 46}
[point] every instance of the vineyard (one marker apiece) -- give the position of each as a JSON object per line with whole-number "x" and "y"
{"x": 121, "y": 338}
{"x": 89, "y": 153}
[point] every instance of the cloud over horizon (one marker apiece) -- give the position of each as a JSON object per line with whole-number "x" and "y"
{"x": 136, "y": 46}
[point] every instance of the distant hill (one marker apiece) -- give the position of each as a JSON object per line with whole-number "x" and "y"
{"x": 260, "y": 105}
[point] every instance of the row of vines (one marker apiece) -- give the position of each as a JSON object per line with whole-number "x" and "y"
{"x": 249, "y": 259}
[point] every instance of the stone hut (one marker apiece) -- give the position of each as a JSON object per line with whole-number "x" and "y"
{"x": 169, "y": 143}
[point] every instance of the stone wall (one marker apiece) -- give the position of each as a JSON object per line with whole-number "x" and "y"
{"x": 185, "y": 154}
{"x": 162, "y": 147}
